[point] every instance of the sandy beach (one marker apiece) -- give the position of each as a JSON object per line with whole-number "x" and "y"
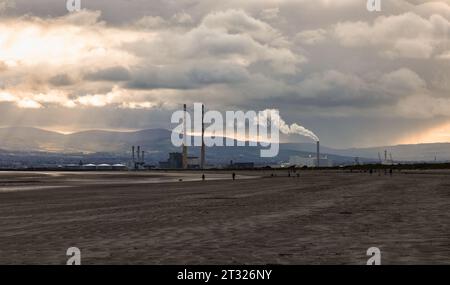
{"x": 323, "y": 217}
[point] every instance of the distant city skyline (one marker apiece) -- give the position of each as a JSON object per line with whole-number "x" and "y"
{"x": 356, "y": 78}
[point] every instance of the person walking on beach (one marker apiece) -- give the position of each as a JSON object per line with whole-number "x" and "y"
{"x": 203, "y": 177}
{"x": 234, "y": 176}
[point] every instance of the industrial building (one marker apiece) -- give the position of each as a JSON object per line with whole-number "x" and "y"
{"x": 387, "y": 160}
{"x": 194, "y": 162}
{"x": 104, "y": 167}
{"x": 241, "y": 165}
{"x": 119, "y": 166}
{"x": 137, "y": 158}
{"x": 175, "y": 161}
{"x": 89, "y": 167}
{"x": 310, "y": 161}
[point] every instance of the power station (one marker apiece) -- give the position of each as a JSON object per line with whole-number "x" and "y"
{"x": 202, "y": 155}
{"x": 318, "y": 154}
{"x": 137, "y": 158}
{"x": 183, "y": 160}
{"x": 186, "y": 158}
{"x": 311, "y": 160}
{"x": 184, "y": 147}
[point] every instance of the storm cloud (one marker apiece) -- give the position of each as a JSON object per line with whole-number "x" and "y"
{"x": 319, "y": 62}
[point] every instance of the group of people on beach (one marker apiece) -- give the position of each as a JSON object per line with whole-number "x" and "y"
{"x": 297, "y": 174}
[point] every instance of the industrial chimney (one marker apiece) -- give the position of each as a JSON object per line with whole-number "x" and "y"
{"x": 138, "y": 153}
{"x": 318, "y": 154}
{"x": 132, "y": 153}
{"x": 185, "y": 154}
{"x": 143, "y": 158}
{"x": 202, "y": 159}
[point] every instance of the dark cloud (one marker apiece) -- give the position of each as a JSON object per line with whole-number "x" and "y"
{"x": 185, "y": 77}
{"x": 117, "y": 73}
{"x": 330, "y": 64}
{"x": 61, "y": 80}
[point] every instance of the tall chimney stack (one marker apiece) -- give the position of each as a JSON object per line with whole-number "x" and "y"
{"x": 143, "y": 158}
{"x": 202, "y": 159}
{"x": 132, "y": 153}
{"x": 138, "y": 153}
{"x": 185, "y": 154}
{"x": 318, "y": 153}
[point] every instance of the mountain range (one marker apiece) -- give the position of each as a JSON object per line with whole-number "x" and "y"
{"x": 157, "y": 144}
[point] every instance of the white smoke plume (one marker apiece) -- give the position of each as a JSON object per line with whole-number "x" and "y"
{"x": 274, "y": 116}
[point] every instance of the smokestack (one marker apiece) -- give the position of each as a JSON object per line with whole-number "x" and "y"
{"x": 143, "y": 158}
{"x": 132, "y": 153}
{"x": 202, "y": 159}
{"x": 185, "y": 154}
{"x": 318, "y": 154}
{"x": 138, "y": 153}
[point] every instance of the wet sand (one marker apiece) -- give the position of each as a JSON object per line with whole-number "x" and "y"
{"x": 325, "y": 217}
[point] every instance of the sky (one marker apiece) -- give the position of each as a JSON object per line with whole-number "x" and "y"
{"x": 356, "y": 78}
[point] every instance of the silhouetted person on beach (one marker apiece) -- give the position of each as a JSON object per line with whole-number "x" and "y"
{"x": 234, "y": 176}
{"x": 203, "y": 177}
{"x": 390, "y": 172}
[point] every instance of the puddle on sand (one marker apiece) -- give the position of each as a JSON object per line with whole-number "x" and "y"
{"x": 74, "y": 179}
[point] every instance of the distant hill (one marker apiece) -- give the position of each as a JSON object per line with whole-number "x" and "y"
{"x": 34, "y": 139}
{"x": 157, "y": 144}
{"x": 30, "y": 139}
{"x": 405, "y": 153}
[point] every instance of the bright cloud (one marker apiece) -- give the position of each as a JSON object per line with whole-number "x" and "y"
{"x": 313, "y": 60}
{"x": 407, "y": 35}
